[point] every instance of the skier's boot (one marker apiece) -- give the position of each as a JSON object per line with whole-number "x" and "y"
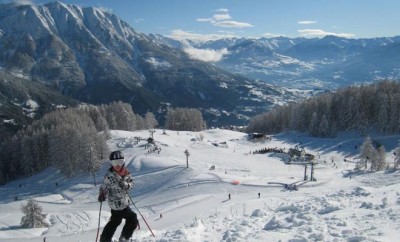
{"x": 102, "y": 239}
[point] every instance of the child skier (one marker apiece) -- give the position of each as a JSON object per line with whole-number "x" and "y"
{"x": 117, "y": 181}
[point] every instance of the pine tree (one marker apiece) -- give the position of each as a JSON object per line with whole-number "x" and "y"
{"x": 313, "y": 127}
{"x": 352, "y": 108}
{"x": 324, "y": 129}
{"x": 33, "y": 216}
{"x": 382, "y": 107}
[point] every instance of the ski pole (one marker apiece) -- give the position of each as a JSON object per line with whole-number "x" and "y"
{"x": 98, "y": 226}
{"x": 141, "y": 216}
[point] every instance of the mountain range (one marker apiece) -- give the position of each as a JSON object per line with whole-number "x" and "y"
{"x": 56, "y": 55}
{"x": 92, "y": 56}
{"x": 326, "y": 63}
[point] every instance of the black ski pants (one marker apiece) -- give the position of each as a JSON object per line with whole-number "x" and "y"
{"x": 131, "y": 222}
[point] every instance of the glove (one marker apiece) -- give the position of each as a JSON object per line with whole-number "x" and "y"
{"x": 102, "y": 197}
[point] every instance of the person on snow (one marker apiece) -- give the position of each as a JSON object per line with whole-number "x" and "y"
{"x": 117, "y": 182}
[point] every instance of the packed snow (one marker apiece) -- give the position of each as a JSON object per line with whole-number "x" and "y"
{"x": 226, "y": 194}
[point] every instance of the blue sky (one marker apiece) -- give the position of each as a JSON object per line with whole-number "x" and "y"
{"x": 213, "y": 19}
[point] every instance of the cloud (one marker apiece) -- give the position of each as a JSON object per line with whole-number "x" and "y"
{"x": 222, "y": 10}
{"x": 321, "y": 33}
{"x": 181, "y": 35}
{"x": 307, "y": 22}
{"x": 214, "y": 19}
{"x": 224, "y": 16}
{"x": 21, "y": 2}
{"x": 232, "y": 24}
{"x": 104, "y": 9}
{"x": 207, "y": 55}
{"x": 270, "y": 35}
{"x": 138, "y": 20}
{"x": 221, "y": 20}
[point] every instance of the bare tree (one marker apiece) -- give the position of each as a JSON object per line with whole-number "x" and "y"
{"x": 381, "y": 162}
{"x": 151, "y": 121}
{"x": 367, "y": 153}
{"x": 72, "y": 139}
{"x": 184, "y": 119}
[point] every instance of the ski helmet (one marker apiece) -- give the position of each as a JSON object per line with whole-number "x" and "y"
{"x": 117, "y": 158}
{"x": 117, "y": 155}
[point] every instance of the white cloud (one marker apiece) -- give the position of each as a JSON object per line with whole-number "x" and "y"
{"x": 207, "y": 55}
{"x": 22, "y": 2}
{"x": 221, "y": 20}
{"x": 222, "y": 10}
{"x": 179, "y": 34}
{"x": 232, "y": 24}
{"x": 321, "y": 33}
{"x": 270, "y": 35}
{"x": 104, "y": 9}
{"x": 224, "y": 16}
{"x": 307, "y": 22}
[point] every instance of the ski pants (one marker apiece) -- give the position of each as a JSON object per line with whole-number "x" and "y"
{"x": 131, "y": 222}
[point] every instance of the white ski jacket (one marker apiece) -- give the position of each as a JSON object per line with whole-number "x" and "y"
{"x": 116, "y": 187}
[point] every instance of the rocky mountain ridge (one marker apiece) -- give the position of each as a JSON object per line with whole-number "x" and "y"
{"x": 93, "y": 56}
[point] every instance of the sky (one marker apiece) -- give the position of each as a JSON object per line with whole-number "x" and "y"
{"x": 214, "y": 19}
{"x": 242, "y": 198}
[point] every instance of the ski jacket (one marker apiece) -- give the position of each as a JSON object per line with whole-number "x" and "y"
{"x": 116, "y": 186}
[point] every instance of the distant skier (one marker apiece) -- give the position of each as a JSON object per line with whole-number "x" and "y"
{"x": 117, "y": 181}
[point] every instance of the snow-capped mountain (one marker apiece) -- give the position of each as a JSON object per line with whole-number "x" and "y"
{"x": 326, "y": 63}
{"x": 93, "y": 56}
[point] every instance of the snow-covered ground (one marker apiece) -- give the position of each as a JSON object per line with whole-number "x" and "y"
{"x": 194, "y": 202}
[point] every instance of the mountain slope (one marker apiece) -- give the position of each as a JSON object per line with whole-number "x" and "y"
{"x": 95, "y": 57}
{"x": 341, "y": 205}
{"x": 22, "y": 101}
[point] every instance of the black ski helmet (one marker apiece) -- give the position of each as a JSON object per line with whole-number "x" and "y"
{"x": 116, "y": 155}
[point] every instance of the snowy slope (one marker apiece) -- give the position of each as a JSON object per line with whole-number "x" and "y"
{"x": 339, "y": 206}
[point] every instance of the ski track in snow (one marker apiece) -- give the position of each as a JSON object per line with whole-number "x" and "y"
{"x": 71, "y": 222}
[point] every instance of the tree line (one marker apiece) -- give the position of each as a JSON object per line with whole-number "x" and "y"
{"x": 74, "y": 139}
{"x": 352, "y": 108}
{"x": 71, "y": 139}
